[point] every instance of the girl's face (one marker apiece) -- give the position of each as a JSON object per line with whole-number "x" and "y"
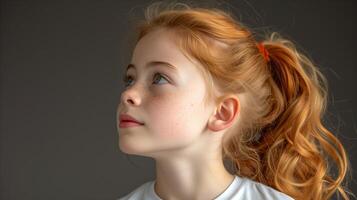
{"x": 168, "y": 100}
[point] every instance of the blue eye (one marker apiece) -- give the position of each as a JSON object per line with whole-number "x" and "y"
{"x": 159, "y": 76}
{"x": 127, "y": 78}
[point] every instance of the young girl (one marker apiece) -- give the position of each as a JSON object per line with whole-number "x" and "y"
{"x": 201, "y": 89}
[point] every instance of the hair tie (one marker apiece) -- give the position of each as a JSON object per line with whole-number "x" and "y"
{"x": 263, "y": 51}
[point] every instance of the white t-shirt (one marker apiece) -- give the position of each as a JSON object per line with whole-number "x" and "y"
{"x": 240, "y": 189}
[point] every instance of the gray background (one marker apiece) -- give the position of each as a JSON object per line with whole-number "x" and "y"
{"x": 61, "y": 67}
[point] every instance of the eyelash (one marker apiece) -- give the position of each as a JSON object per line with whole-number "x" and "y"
{"x": 127, "y": 77}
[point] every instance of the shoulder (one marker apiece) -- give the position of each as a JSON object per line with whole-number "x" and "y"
{"x": 139, "y": 193}
{"x": 258, "y": 190}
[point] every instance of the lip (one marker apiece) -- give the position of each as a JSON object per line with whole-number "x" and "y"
{"x": 128, "y": 124}
{"x": 128, "y": 121}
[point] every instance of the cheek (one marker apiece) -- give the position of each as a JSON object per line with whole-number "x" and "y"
{"x": 174, "y": 117}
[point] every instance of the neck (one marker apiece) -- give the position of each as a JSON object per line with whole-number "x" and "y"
{"x": 191, "y": 178}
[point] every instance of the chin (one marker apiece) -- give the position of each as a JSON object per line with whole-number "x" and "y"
{"x": 129, "y": 148}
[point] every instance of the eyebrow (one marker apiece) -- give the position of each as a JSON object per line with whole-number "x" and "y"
{"x": 153, "y": 64}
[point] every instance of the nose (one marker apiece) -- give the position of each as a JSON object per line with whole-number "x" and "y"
{"x": 130, "y": 97}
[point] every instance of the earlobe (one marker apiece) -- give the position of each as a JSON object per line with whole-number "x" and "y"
{"x": 225, "y": 114}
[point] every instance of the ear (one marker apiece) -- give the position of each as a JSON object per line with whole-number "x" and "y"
{"x": 225, "y": 114}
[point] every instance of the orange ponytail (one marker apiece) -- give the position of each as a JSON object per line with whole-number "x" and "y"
{"x": 296, "y": 140}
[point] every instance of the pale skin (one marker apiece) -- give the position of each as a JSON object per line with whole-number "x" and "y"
{"x": 179, "y": 132}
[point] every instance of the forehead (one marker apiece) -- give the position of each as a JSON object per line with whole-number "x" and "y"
{"x": 160, "y": 45}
